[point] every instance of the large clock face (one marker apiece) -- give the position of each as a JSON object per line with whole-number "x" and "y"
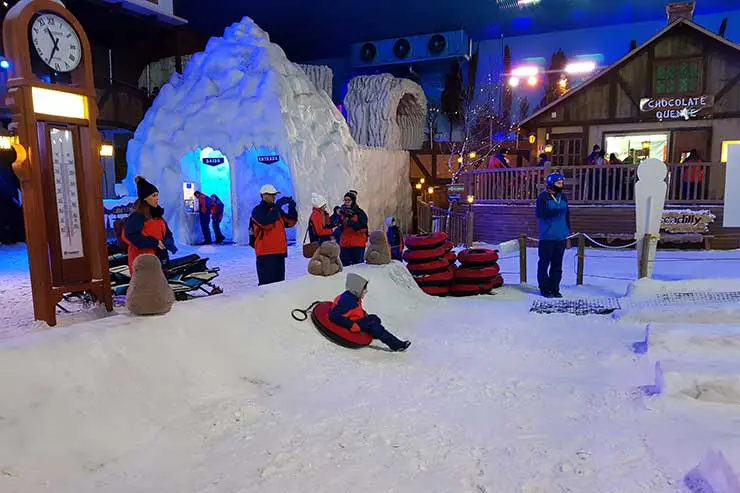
{"x": 56, "y": 42}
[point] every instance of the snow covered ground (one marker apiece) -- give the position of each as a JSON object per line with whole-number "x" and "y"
{"x": 229, "y": 394}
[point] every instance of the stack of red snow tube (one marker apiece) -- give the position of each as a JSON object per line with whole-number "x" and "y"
{"x": 431, "y": 261}
{"x": 478, "y": 272}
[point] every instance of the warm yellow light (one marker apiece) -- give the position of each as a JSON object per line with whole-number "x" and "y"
{"x": 5, "y": 142}
{"x": 532, "y": 139}
{"x": 532, "y": 81}
{"x": 421, "y": 180}
{"x": 725, "y": 145}
{"x": 460, "y": 160}
{"x": 471, "y": 199}
{"x": 20, "y": 154}
{"x": 548, "y": 148}
{"x": 430, "y": 190}
{"x": 106, "y": 150}
{"x": 418, "y": 186}
{"x": 58, "y": 103}
{"x": 646, "y": 145}
{"x": 473, "y": 155}
{"x": 563, "y": 83}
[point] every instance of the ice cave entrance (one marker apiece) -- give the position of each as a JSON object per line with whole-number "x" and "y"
{"x": 255, "y": 167}
{"x": 208, "y": 171}
{"x": 236, "y": 183}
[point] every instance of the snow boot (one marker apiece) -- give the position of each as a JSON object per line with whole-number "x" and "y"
{"x": 403, "y": 347}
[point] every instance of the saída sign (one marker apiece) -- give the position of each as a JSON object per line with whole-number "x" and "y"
{"x": 676, "y": 108}
{"x": 213, "y": 161}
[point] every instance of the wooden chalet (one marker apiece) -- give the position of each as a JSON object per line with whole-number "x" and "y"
{"x": 677, "y": 92}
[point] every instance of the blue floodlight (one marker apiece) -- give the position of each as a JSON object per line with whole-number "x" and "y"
{"x": 4, "y": 64}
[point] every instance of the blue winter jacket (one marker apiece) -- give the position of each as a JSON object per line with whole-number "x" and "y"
{"x": 554, "y": 215}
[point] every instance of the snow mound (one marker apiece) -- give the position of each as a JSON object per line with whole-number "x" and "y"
{"x": 712, "y": 341}
{"x": 242, "y": 94}
{"x": 649, "y": 288}
{"x": 80, "y": 397}
{"x": 702, "y": 381}
{"x": 385, "y": 111}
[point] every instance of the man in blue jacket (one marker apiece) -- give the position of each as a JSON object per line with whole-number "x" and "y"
{"x": 554, "y": 218}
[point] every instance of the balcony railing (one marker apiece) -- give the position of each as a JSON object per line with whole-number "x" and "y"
{"x": 457, "y": 224}
{"x": 688, "y": 183}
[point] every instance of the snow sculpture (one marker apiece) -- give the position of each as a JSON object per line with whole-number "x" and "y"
{"x": 321, "y": 75}
{"x": 650, "y": 192}
{"x": 245, "y": 98}
{"x": 732, "y": 184}
{"x": 385, "y": 111}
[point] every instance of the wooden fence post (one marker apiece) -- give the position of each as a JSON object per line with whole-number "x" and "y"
{"x": 581, "y": 258}
{"x": 523, "y": 259}
{"x": 469, "y": 229}
{"x": 644, "y": 257}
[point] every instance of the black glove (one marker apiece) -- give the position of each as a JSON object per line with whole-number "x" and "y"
{"x": 282, "y": 201}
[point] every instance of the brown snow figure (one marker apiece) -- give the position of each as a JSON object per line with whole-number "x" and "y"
{"x": 325, "y": 261}
{"x": 378, "y": 251}
{"x": 149, "y": 293}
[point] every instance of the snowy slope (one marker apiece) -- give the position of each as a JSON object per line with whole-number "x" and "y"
{"x": 229, "y": 394}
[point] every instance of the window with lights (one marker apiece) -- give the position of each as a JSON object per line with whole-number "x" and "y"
{"x": 678, "y": 77}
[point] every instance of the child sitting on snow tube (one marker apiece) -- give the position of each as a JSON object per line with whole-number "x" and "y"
{"x": 347, "y": 312}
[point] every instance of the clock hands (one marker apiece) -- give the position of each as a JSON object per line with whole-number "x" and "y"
{"x": 56, "y": 45}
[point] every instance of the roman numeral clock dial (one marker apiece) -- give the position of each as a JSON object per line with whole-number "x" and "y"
{"x": 56, "y": 42}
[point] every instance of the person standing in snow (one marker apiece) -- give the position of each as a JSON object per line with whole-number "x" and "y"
{"x": 554, "y": 218}
{"x": 217, "y": 215}
{"x": 347, "y": 312}
{"x": 320, "y": 228}
{"x": 354, "y": 231}
{"x": 395, "y": 238}
{"x": 204, "y": 214}
{"x": 268, "y": 225}
{"x": 145, "y": 230}
{"x": 336, "y": 221}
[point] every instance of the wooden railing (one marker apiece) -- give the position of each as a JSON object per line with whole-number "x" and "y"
{"x": 457, "y": 224}
{"x": 688, "y": 183}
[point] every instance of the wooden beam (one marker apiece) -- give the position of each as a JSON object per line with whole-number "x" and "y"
{"x": 420, "y": 166}
{"x": 726, "y": 88}
{"x": 613, "y": 94}
{"x": 434, "y": 162}
{"x": 623, "y": 85}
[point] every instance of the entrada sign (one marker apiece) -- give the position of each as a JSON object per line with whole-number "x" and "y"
{"x": 268, "y": 159}
{"x": 675, "y": 108}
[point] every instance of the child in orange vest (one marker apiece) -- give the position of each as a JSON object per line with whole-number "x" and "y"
{"x": 347, "y": 312}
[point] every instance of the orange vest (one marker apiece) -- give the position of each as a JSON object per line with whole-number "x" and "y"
{"x": 155, "y": 228}
{"x": 271, "y": 238}
{"x": 355, "y": 314}
{"x": 318, "y": 219}
{"x": 352, "y": 238}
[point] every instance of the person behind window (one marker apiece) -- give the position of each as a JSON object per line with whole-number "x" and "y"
{"x": 692, "y": 176}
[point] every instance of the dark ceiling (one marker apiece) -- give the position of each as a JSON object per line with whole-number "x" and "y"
{"x": 315, "y": 29}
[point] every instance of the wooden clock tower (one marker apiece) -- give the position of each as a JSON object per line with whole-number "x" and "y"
{"x": 51, "y": 95}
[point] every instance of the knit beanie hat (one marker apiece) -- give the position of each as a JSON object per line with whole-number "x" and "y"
{"x": 143, "y": 188}
{"x": 352, "y": 195}
{"x": 318, "y": 201}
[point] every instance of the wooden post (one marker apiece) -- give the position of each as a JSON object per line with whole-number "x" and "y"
{"x": 645, "y": 257}
{"x": 581, "y": 258}
{"x": 469, "y": 231}
{"x": 523, "y": 259}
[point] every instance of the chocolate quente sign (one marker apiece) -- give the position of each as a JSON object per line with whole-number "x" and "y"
{"x": 676, "y": 108}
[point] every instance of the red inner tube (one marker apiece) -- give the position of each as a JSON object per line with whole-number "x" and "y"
{"x": 498, "y": 281}
{"x": 423, "y": 242}
{"x": 477, "y": 273}
{"x": 436, "y": 290}
{"x": 450, "y": 257}
{"x": 477, "y": 256}
{"x": 448, "y": 246}
{"x": 419, "y": 256}
{"x": 335, "y": 333}
{"x": 432, "y": 267}
{"x": 472, "y": 289}
{"x": 440, "y": 279}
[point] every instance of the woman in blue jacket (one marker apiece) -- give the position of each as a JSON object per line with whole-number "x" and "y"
{"x": 554, "y": 218}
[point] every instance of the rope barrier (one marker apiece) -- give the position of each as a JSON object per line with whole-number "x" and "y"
{"x": 609, "y": 247}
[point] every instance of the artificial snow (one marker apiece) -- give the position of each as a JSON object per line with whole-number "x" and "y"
{"x": 244, "y": 98}
{"x": 229, "y": 393}
{"x": 321, "y": 75}
{"x": 386, "y": 111}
